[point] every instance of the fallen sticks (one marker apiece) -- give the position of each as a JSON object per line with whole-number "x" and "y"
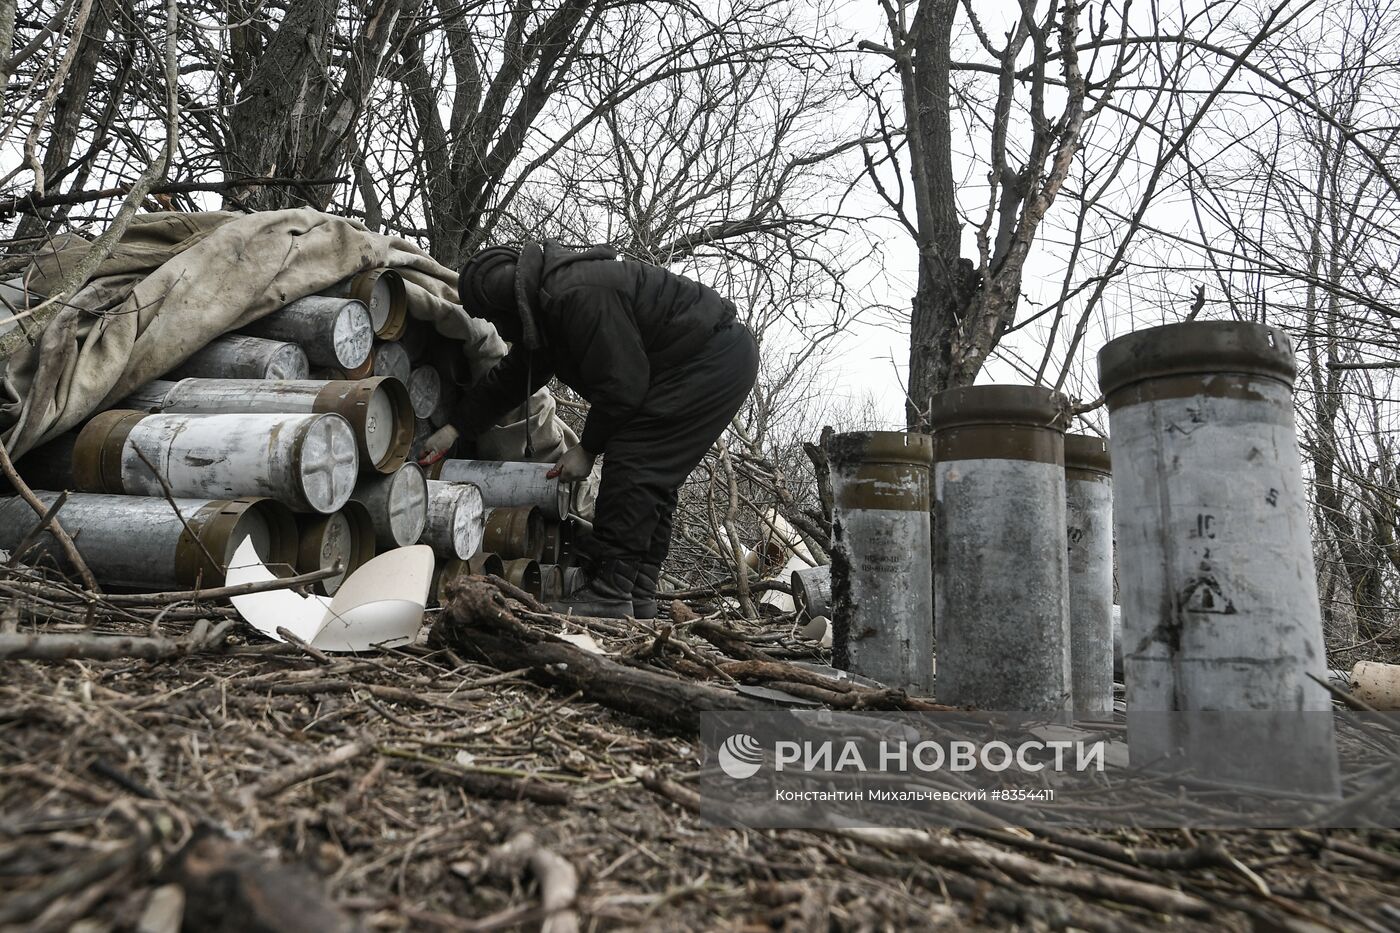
{"x": 40, "y": 646}
{"x": 477, "y": 622}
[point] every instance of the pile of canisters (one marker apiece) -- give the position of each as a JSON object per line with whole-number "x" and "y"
{"x": 1019, "y": 522}
{"x": 299, "y": 432}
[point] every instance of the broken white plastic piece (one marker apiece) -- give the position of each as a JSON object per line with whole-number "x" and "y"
{"x": 379, "y": 606}
{"x": 818, "y": 629}
{"x": 581, "y": 640}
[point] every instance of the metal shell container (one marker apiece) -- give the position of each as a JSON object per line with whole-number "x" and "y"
{"x": 880, "y": 572}
{"x": 1001, "y": 574}
{"x": 238, "y": 356}
{"x": 1215, "y": 565}
{"x": 485, "y": 564}
{"x": 333, "y": 332}
{"x": 514, "y": 532}
{"x": 456, "y": 519}
{"x": 509, "y": 483}
{"x": 390, "y": 359}
{"x": 307, "y": 462}
{"x": 1089, "y": 526}
{"x": 524, "y": 573}
{"x": 377, "y": 409}
{"x": 558, "y": 542}
{"x": 141, "y": 542}
{"x": 398, "y": 505}
{"x": 345, "y": 537}
{"x": 811, "y": 591}
{"x": 425, "y": 390}
{"x": 383, "y": 292}
{"x": 551, "y": 582}
{"x": 573, "y": 580}
{"x": 149, "y": 397}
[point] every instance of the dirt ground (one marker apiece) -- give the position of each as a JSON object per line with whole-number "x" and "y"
{"x": 269, "y": 788}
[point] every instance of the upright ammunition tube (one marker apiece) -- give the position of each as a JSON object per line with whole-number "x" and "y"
{"x": 811, "y": 591}
{"x": 141, "y": 542}
{"x": 425, "y": 390}
{"x": 880, "y": 577}
{"x": 334, "y": 332}
{"x": 307, "y": 462}
{"x": 377, "y": 408}
{"x": 1001, "y": 575}
{"x": 238, "y": 356}
{"x": 514, "y": 532}
{"x": 509, "y": 483}
{"x": 456, "y": 519}
{"x": 345, "y": 537}
{"x": 398, "y": 505}
{"x": 1089, "y": 523}
{"x": 383, "y": 292}
{"x": 1215, "y": 565}
{"x": 390, "y": 359}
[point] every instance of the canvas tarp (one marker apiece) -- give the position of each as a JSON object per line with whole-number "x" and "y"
{"x": 178, "y": 280}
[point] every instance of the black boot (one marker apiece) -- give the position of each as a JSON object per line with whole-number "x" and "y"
{"x": 644, "y": 591}
{"x": 607, "y": 593}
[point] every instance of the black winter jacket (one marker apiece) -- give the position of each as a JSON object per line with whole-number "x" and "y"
{"x": 605, "y": 325}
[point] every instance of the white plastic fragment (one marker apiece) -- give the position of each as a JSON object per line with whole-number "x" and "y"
{"x": 379, "y": 606}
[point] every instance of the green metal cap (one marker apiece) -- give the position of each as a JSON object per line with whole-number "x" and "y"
{"x": 1030, "y": 406}
{"x": 1196, "y": 348}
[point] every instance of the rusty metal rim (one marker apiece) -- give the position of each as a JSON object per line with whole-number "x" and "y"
{"x": 364, "y": 370}
{"x": 1029, "y": 406}
{"x": 350, "y": 399}
{"x": 362, "y": 290}
{"x": 311, "y": 527}
{"x": 1000, "y": 442}
{"x": 486, "y": 563}
{"x": 525, "y": 573}
{"x": 215, "y": 524}
{"x": 521, "y": 525}
{"x": 1196, "y": 348}
{"x": 1087, "y": 453}
{"x": 97, "y": 453}
{"x": 1242, "y": 386}
{"x": 880, "y": 447}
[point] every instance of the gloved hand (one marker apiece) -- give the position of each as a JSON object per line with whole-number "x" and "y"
{"x": 437, "y": 445}
{"x": 575, "y": 465}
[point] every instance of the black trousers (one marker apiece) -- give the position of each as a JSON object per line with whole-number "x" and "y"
{"x": 686, "y": 410}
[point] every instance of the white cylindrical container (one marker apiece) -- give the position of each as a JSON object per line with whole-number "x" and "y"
{"x": 1215, "y": 566}
{"x": 376, "y": 408}
{"x": 456, "y": 519}
{"x": 398, "y": 505}
{"x": 141, "y": 542}
{"x": 308, "y": 462}
{"x": 511, "y": 483}
{"x": 333, "y": 332}
{"x": 1089, "y": 523}
{"x": 238, "y": 356}
{"x": 880, "y": 575}
{"x": 1001, "y": 575}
